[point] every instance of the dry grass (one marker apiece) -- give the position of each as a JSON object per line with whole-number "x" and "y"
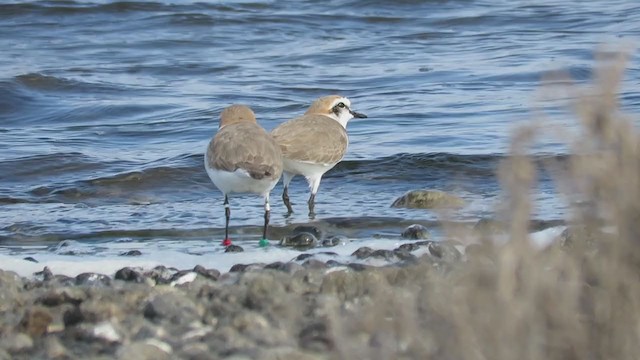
{"x": 579, "y": 299}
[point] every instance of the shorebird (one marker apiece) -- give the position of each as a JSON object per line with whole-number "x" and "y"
{"x": 243, "y": 158}
{"x": 314, "y": 143}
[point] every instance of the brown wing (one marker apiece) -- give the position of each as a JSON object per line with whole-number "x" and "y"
{"x": 314, "y": 138}
{"x": 245, "y": 146}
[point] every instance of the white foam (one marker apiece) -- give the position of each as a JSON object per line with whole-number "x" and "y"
{"x": 72, "y": 258}
{"x": 104, "y": 258}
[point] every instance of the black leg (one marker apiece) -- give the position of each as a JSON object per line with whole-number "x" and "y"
{"x": 312, "y": 205}
{"x": 267, "y": 216}
{"x": 285, "y": 198}
{"x": 227, "y": 215}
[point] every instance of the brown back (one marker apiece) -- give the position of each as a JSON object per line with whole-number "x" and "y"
{"x": 313, "y": 138}
{"x": 247, "y": 146}
{"x": 236, "y": 113}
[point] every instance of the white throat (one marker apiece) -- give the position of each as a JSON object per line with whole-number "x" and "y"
{"x": 343, "y": 118}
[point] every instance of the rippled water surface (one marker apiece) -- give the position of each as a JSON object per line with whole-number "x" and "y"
{"x": 106, "y": 107}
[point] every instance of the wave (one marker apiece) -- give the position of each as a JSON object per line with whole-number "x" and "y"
{"x": 74, "y": 177}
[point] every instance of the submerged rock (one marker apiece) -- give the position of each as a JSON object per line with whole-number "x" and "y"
{"x": 303, "y": 240}
{"x": 311, "y": 229}
{"x": 415, "y": 232}
{"x": 234, "y": 248}
{"x": 427, "y": 199}
{"x": 131, "y": 253}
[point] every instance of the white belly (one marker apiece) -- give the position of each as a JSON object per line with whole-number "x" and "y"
{"x": 239, "y": 181}
{"x": 306, "y": 169}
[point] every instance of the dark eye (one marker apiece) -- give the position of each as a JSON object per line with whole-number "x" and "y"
{"x": 341, "y": 105}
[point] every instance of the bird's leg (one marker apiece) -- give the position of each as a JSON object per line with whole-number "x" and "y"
{"x": 285, "y": 198}
{"x": 314, "y": 184}
{"x": 312, "y": 205}
{"x": 267, "y": 214}
{"x": 286, "y": 179}
{"x": 227, "y": 215}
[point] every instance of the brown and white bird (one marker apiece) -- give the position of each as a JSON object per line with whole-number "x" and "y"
{"x": 314, "y": 143}
{"x": 243, "y": 158}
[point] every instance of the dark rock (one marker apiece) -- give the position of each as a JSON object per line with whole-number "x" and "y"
{"x": 334, "y": 241}
{"x": 363, "y": 252}
{"x": 311, "y": 229}
{"x": 129, "y": 274}
{"x": 302, "y": 240}
{"x": 415, "y": 232}
{"x": 160, "y": 274}
{"x": 238, "y": 268}
{"x": 316, "y": 337}
{"x": 408, "y": 247}
{"x": 233, "y": 248}
{"x": 328, "y": 253}
{"x": 427, "y": 199}
{"x": 131, "y": 253}
{"x": 383, "y": 254}
{"x": 93, "y": 279}
{"x": 29, "y": 258}
{"x": 35, "y": 321}
{"x": 303, "y": 256}
{"x": 174, "y": 307}
{"x": 212, "y": 274}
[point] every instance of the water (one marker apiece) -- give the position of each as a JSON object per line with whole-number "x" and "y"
{"x": 106, "y": 108}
